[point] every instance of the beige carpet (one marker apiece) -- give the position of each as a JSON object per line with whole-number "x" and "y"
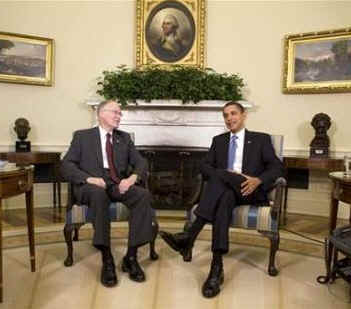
{"x": 171, "y": 283}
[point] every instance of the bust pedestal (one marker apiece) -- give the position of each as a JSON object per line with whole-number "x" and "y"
{"x": 22, "y": 146}
{"x": 319, "y": 152}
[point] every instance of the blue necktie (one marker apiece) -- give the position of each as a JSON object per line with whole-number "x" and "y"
{"x": 231, "y": 152}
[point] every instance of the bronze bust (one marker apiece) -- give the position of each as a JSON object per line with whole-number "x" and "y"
{"x": 319, "y": 146}
{"x": 22, "y": 129}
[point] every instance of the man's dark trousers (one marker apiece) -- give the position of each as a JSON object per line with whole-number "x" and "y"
{"x": 221, "y": 196}
{"x": 137, "y": 199}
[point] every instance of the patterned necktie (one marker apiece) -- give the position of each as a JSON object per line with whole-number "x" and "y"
{"x": 109, "y": 152}
{"x": 231, "y": 152}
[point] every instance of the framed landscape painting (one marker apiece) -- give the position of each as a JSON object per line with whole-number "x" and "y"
{"x": 170, "y": 32}
{"x": 26, "y": 59}
{"x": 318, "y": 62}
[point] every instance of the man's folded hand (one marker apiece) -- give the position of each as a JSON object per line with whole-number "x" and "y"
{"x": 250, "y": 185}
{"x": 97, "y": 181}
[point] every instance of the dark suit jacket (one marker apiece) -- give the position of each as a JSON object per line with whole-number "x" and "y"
{"x": 84, "y": 157}
{"x": 259, "y": 158}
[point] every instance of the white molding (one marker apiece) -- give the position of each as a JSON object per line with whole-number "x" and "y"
{"x": 179, "y": 124}
{"x": 170, "y": 104}
{"x": 64, "y": 148}
{"x": 141, "y": 117}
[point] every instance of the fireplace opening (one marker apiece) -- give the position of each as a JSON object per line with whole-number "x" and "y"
{"x": 175, "y": 180}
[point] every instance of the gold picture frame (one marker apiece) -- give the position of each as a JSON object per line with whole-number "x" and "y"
{"x": 317, "y": 62}
{"x": 170, "y": 32}
{"x": 26, "y": 59}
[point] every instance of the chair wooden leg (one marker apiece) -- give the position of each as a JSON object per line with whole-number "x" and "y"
{"x": 334, "y": 265}
{"x": 274, "y": 239}
{"x": 153, "y": 253}
{"x": 76, "y": 234}
{"x": 67, "y": 231}
{"x": 187, "y": 225}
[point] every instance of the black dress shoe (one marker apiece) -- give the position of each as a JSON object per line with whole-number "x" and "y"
{"x": 131, "y": 266}
{"x": 211, "y": 287}
{"x": 108, "y": 273}
{"x": 179, "y": 242}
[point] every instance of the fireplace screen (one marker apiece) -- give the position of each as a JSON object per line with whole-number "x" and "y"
{"x": 175, "y": 180}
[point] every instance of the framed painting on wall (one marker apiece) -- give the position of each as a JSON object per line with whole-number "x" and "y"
{"x": 318, "y": 62}
{"x": 170, "y": 32}
{"x": 26, "y": 59}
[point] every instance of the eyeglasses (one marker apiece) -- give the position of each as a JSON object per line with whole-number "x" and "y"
{"x": 117, "y": 113}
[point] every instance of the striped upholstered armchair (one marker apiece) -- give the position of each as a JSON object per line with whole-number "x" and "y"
{"x": 78, "y": 215}
{"x": 263, "y": 219}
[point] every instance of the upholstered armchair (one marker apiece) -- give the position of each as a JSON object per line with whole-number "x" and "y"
{"x": 78, "y": 215}
{"x": 263, "y": 219}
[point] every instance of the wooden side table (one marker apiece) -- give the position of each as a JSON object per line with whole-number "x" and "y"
{"x": 47, "y": 167}
{"x": 322, "y": 164}
{"x": 15, "y": 181}
{"x": 304, "y": 162}
{"x": 341, "y": 192}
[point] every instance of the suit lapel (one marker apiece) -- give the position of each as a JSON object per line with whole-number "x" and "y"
{"x": 115, "y": 145}
{"x": 246, "y": 152}
{"x": 226, "y": 141}
{"x": 97, "y": 145}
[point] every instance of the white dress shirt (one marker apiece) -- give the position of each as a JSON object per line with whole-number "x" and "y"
{"x": 238, "y": 162}
{"x": 103, "y": 139}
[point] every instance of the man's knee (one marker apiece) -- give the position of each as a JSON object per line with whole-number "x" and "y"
{"x": 142, "y": 193}
{"x": 96, "y": 194}
{"x": 228, "y": 195}
{"x": 144, "y": 198}
{"x": 227, "y": 199}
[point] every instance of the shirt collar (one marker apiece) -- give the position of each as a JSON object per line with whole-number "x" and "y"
{"x": 103, "y": 132}
{"x": 240, "y": 134}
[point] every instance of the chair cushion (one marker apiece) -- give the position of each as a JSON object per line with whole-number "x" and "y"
{"x": 249, "y": 217}
{"x": 83, "y": 214}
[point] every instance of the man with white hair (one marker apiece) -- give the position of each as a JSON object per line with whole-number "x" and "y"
{"x": 170, "y": 46}
{"x": 98, "y": 163}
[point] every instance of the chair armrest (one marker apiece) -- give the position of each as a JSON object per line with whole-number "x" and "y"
{"x": 281, "y": 181}
{"x": 278, "y": 195}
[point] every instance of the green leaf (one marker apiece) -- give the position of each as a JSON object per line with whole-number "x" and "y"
{"x": 186, "y": 83}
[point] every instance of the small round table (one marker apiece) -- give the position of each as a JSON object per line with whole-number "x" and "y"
{"x": 341, "y": 191}
{"x": 14, "y": 181}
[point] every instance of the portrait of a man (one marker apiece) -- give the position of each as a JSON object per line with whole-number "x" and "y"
{"x": 170, "y": 31}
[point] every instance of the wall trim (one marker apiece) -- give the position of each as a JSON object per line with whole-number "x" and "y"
{"x": 64, "y": 147}
{"x": 175, "y": 104}
{"x": 37, "y": 147}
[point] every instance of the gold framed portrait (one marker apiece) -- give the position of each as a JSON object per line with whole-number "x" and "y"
{"x": 170, "y": 32}
{"x": 26, "y": 59}
{"x": 317, "y": 62}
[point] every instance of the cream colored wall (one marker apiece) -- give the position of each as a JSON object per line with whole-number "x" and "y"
{"x": 242, "y": 36}
{"x": 89, "y": 37}
{"x": 251, "y": 44}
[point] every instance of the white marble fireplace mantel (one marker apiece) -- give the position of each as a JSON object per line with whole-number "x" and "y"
{"x": 172, "y": 123}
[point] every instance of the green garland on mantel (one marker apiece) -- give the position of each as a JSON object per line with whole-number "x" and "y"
{"x": 186, "y": 83}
